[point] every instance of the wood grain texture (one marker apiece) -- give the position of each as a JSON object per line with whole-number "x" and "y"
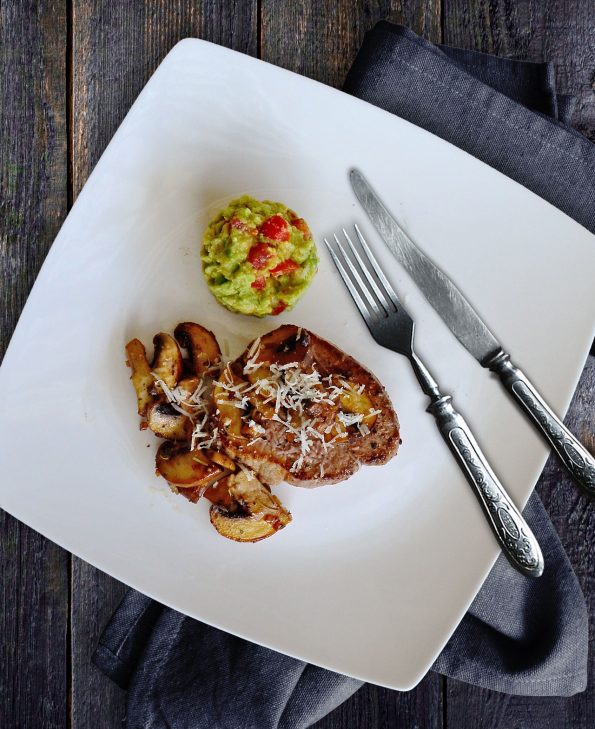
{"x": 562, "y": 31}
{"x": 320, "y": 39}
{"x": 33, "y": 150}
{"x": 96, "y": 701}
{"x": 468, "y": 707}
{"x": 33, "y": 200}
{"x": 115, "y": 49}
{"x": 33, "y": 629}
{"x": 117, "y": 46}
{"x": 373, "y": 707}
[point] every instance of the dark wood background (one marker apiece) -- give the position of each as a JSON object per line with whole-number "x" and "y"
{"x": 69, "y": 71}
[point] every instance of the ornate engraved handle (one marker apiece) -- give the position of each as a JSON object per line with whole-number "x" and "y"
{"x": 510, "y": 528}
{"x": 579, "y": 462}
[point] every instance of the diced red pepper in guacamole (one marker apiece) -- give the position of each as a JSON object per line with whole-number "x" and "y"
{"x": 279, "y": 308}
{"x": 259, "y": 254}
{"x": 284, "y": 268}
{"x": 275, "y": 228}
{"x": 258, "y": 257}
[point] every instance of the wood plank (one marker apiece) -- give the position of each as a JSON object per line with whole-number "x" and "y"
{"x": 320, "y": 39}
{"x": 33, "y": 201}
{"x": 374, "y": 707}
{"x": 572, "y": 514}
{"x": 116, "y": 48}
{"x": 96, "y": 701}
{"x": 561, "y": 31}
{"x": 33, "y": 628}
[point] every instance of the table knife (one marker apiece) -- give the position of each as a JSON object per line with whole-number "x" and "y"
{"x": 467, "y": 326}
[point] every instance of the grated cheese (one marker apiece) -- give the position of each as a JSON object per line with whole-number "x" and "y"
{"x": 248, "y": 471}
{"x": 288, "y": 387}
{"x": 255, "y": 347}
{"x": 256, "y": 427}
{"x": 349, "y": 418}
{"x": 191, "y": 406}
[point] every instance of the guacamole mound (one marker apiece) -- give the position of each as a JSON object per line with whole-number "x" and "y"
{"x": 258, "y": 258}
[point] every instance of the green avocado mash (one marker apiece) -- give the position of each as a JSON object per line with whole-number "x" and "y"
{"x": 258, "y": 257}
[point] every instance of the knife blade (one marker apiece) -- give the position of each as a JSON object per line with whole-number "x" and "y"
{"x": 457, "y": 313}
{"x": 468, "y": 327}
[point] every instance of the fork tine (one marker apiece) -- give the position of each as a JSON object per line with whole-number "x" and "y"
{"x": 376, "y": 266}
{"x": 365, "y": 270}
{"x": 355, "y": 273}
{"x": 363, "y": 309}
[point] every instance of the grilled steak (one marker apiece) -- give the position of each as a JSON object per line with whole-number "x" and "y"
{"x": 295, "y": 408}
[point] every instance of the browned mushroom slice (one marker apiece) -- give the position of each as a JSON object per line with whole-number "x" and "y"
{"x": 238, "y": 527}
{"x": 255, "y": 513}
{"x": 185, "y": 389}
{"x": 257, "y": 499}
{"x": 218, "y": 494}
{"x": 358, "y": 403}
{"x": 258, "y": 396}
{"x": 201, "y": 345}
{"x": 166, "y": 422}
{"x": 167, "y": 360}
{"x": 185, "y": 468}
{"x": 142, "y": 379}
{"x": 286, "y": 344}
{"x": 222, "y": 460}
{"x": 187, "y": 386}
{"x": 225, "y": 402}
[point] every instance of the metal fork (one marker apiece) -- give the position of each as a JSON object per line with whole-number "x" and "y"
{"x": 393, "y": 328}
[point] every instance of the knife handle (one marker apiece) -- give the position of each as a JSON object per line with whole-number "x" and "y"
{"x": 510, "y": 528}
{"x": 577, "y": 459}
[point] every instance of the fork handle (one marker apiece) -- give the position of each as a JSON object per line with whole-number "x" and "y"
{"x": 579, "y": 462}
{"x": 510, "y": 528}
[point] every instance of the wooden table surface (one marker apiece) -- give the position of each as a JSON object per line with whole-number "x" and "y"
{"x": 69, "y": 71}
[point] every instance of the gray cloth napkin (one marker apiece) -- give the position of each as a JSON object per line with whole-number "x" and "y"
{"x": 181, "y": 673}
{"x": 486, "y": 106}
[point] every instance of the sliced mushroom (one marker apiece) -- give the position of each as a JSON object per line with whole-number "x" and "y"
{"x": 230, "y": 415}
{"x": 185, "y": 468}
{"x": 201, "y": 346}
{"x": 142, "y": 379}
{"x": 167, "y": 360}
{"x": 187, "y": 386}
{"x": 166, "y": 422}
{"x": 193, "y": 493}
{"x": 358, "y": 403}
{"x": 255, "y": 514}
{"x": 283, "y": 345}
{"x": 218, "y": 494}
{"x": 222, "y": 460}
{"x": 185, "y": 389}
{"x": 266, "y": 409}
{"x": 240, "y": 528}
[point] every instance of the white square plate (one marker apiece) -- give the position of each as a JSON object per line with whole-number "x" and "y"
{"x": 373, "y": 575}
